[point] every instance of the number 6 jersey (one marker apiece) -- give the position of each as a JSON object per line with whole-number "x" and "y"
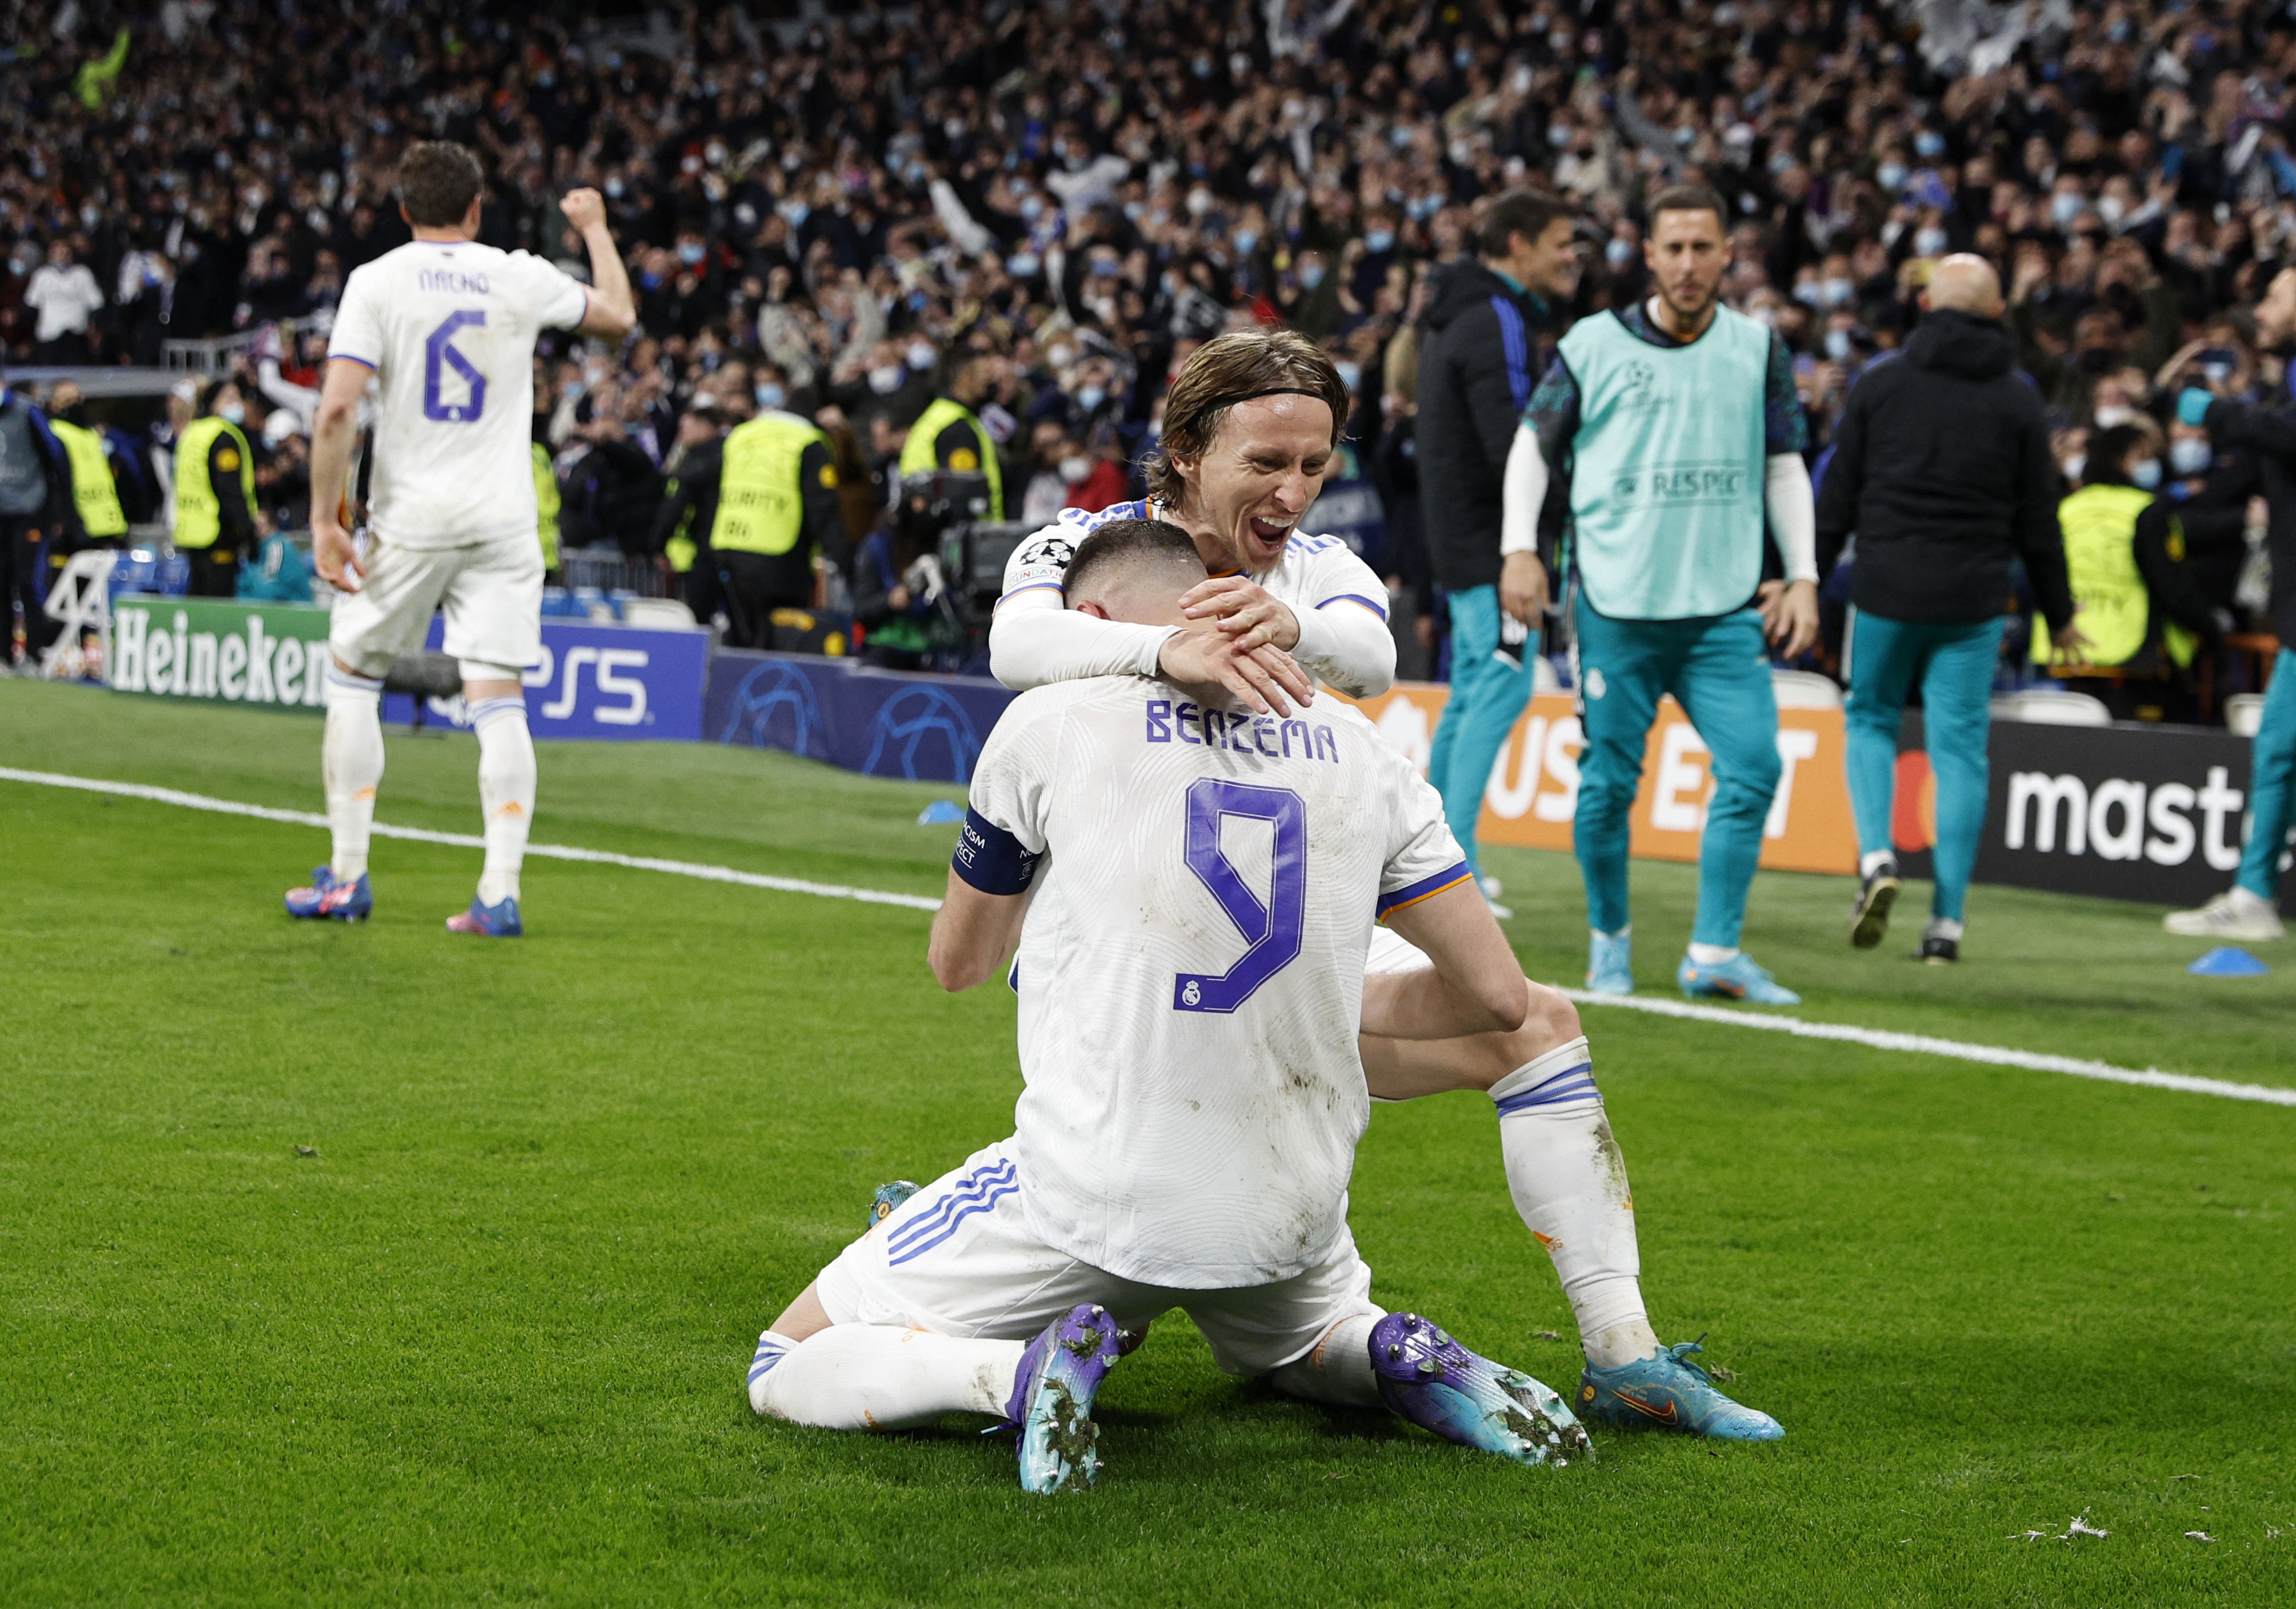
{"x": 448, "y": 328}
{"x": 1191, "y": 969}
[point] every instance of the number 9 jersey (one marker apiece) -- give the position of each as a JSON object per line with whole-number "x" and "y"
{"x": 1191, "y": 968}
{"x": 448, "y": 328}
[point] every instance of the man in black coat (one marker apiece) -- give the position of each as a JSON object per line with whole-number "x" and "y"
{"x": 1478, "y": 362}
{"x": 1942, "y": 468}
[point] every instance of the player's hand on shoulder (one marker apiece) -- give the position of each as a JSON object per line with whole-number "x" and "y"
{"x": 1244, "y": 611}
{"x": 1263, "y": 677}
{"x": 584, "y": 207}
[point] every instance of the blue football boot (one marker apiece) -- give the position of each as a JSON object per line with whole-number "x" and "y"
{"x": 1440, "y": 1385}
{"x": 496, "y": 920}
{"x": 1668, "y": 1392}
{"x": 887, "y": 1200}
{"x": 328, "y": 900}
{"x": 1610, "y": 963}
{"x": 1051, "y": 1405}
{"x": 1736, "y": 978}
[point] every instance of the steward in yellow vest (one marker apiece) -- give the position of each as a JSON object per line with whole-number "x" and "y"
{"x": 95, "y": 495}
{"x": 949, "y": 435}
{"x": 748, "y": 514}
{"x": 2140, "y": 607}
{"x": 215, "y": 492}
{"x": 546, "y": 502}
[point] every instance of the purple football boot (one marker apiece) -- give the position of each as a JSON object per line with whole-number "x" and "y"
{"x": 1052, "y": 1400}
{"x": 1440, "y": 1385}
{"x": 328, "y": 900}
{"x": 496, "y": 920}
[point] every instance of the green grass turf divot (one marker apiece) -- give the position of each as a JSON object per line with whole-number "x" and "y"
{"x": 363, "y": 1265}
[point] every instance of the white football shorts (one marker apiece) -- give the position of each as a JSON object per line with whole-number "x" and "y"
{"x": 959, "y": 1258}
{"x": 491, "y": 592}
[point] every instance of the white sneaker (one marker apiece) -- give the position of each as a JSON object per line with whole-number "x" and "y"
{"x": 2235, "y": 914}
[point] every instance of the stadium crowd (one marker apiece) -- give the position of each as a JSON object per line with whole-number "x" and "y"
{"x": 827, "y": 216}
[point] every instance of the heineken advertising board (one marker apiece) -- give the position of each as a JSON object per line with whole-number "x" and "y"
{"x": 213, "y": 648}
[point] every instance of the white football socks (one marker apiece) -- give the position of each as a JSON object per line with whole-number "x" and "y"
{"x": 1570, "y": 1184}
{"x": 506, "y": 781}
{"x": 1336, "y": 1369}
{"x": 350, "y": 766}
{"x": 1713, "y": 955}
{"x": 881, "y": 1376}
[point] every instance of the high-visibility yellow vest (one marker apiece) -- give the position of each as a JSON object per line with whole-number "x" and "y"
{"x": 2100, "y": 527}
{"x": 95, "y": 493}
{"x": 546, "y": 502}
{"x": 199, "y": 507}
{"x": 918, "y": 457}
{"x": 760, "y": 505}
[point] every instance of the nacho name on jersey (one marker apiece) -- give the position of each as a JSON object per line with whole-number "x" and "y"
{"x": 1239, "y": 732}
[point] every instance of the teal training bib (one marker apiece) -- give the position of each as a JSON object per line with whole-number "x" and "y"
{"x": 1665, "y": 486}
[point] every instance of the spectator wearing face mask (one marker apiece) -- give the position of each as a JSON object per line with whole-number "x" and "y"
{"x": 215, "y": 492}
{"x": 948, "y": 435}
{"x": 2210, "y": 483}
{"x": 2140, "y": 609}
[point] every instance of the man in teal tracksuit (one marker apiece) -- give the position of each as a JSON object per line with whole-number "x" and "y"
{"x": 1678, "y": 426}
{"x": 2266, "y": 427}
{"x": 1478, "y": 358}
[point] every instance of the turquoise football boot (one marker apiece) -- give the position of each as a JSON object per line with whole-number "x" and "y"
{"x": 1670, "y": 1392}
{"x": 887, "y": 1200}
{"x": 1052, "y": 1400}
{"x": 1736, "y": 978}
{"x": 1610, "y": 963}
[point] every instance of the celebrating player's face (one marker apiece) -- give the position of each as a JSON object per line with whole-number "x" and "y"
{"x": 1262, "y": 472}
{"x": 1687, "y": 253}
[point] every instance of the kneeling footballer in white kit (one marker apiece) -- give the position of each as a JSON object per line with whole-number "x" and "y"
{"x": 1199, "y": 885}
{"x": 1250, "y": 426}
{"x": 445, "y": 329}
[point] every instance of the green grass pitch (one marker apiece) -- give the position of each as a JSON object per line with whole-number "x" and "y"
{"x": 364, "y": 1265}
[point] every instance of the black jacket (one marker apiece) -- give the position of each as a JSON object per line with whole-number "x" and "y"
{"x": 1478, "y": 362}
{"x": 1941, "y": 466}
{"x": 2270, "y": 434}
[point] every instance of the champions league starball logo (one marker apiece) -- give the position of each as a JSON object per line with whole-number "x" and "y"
{"x": 918, "y": 716}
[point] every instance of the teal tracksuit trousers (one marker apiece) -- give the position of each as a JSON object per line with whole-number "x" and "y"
{"x": 1486, "y": 696}
{"x": 1718, "y": 670}
{"x": 1953, "y": 662}
{"x": 2271, "y": 782}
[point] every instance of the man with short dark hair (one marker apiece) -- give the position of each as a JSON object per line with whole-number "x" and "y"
{"x": 949, "y": 434}
{"x": 1476, "y": 370}
{"x": 444, "y": 328}
{"x": 1678, "y": 427}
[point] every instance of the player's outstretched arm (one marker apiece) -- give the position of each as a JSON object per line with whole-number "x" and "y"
{"x": 613, "y": 313}
{"x": 333, "y": 431}
{"x": 973, "y": 933}
{"x": 1476, "y": 985}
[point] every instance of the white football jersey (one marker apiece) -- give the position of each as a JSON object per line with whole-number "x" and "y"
{"x": 1191, "y": 968}
{"x": 448, "y": 328}
{"x": 1314, "y": 572}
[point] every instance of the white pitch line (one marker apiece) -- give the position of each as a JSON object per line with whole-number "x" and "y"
{"x": 467, "y": 841}
{"x": 1874, "y": 1038}
{"x": 1922, "y": 1044}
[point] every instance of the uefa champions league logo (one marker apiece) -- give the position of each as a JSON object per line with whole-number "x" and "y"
{"x": 766, "y": 693}
{"x": 914, "y": 716}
